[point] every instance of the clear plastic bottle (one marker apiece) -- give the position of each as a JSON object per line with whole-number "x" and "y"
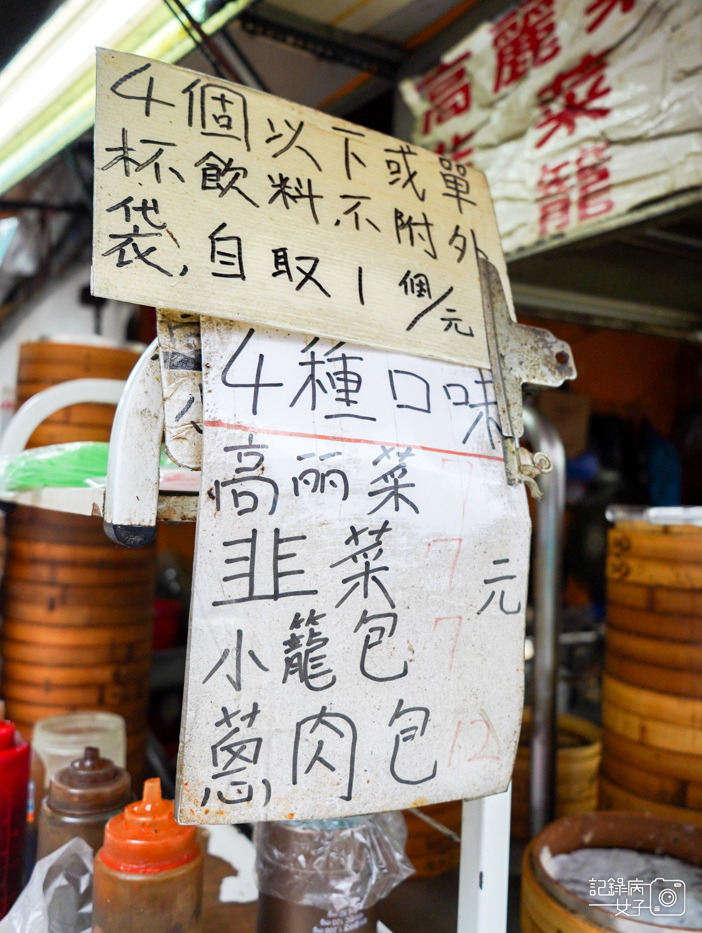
{"x": 58, "y": 740}
{"x": 81, "y": 799}
{"x": 14, "y": 788}
{"x": 148, "y": 874}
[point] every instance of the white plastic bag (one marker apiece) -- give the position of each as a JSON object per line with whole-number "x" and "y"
{"x": 59, "y": 896}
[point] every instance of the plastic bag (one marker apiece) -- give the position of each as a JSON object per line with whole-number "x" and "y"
{"x": 57, "y": 465}
{"x": 332, "y": 864}
{"x": 59, "y": 896}
{"x": 82, "y": 463}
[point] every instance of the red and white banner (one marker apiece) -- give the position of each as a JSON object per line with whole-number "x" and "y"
{"x": 576, "y": 110}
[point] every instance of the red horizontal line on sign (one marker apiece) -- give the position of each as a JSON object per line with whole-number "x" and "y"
{"x": 348, "y": 440}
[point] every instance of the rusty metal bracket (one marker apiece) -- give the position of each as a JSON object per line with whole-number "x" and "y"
{"x": 519, "y": 355}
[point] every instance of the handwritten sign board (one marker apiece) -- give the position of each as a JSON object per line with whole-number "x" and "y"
{"x": 217, "y": 199}
{"x": 357, "y": 626}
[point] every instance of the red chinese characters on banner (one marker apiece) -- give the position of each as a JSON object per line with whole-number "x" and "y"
{"x": 553, "y": 197}
{"x": 574, "y": 95}
{"x": 523, "y": 39}
{"x": 447, "y": 91}
{"x": 593, "y": 181}
{"x": 578, "y": 189}
{"x": 457, "y": 149}
{"x": 600, "y": 10}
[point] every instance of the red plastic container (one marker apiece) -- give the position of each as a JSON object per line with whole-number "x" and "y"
{"x": 14, "y": 785}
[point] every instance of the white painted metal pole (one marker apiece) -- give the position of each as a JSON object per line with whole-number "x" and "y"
{"x": 484, "y": 871}
{"x": 39, "y": 407}
{"x": 131, "y": 496}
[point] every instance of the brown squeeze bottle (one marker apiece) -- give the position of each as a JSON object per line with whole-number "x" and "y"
{"x": 81, "y": 799}
{"x": 148, "y": 874}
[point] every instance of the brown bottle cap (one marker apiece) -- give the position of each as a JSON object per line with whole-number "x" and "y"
{"x": 90, "y": 784}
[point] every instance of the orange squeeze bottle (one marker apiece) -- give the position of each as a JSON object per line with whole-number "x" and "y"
{"x": 148, "y": 874}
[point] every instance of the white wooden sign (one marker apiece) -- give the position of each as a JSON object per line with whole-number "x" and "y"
{"x": 357, "y": 624}
{"x": 217, "y": 199}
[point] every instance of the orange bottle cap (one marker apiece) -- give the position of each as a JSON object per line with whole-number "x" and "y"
{"x": 145, "y": 838}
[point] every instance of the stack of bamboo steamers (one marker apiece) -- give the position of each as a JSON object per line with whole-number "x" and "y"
{"x": 77, "y": 610}
{"x": 652, "y": 704}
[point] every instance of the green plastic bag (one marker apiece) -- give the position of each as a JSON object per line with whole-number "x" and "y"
{"x": 77, "y": 464}
{"x": 57, "y": 465}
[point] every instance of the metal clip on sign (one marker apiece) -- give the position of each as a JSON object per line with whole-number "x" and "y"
{"x": 519, "y": 355}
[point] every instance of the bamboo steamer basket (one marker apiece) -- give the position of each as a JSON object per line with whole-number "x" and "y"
{"x": 48, "y": 434}
{"x": 655, "y": 555}
{"x": 99, "y": 556}
{"x": 656, "y": 788}
{"x": 677, "y": 628}
{"x": 80, "y": 696}
{"x": 663, "y": 680}
{"x": 652, "y": 705}
{"x": 648, "y": 758}
{"x": 577, "y": 768}
{"x": 88, "y": 413}
{"x": 109, "y": 616}
{"x": 76, "y": 674}
{"x": 81, "y": 578}
{"x": 44, "y": 363}
{"x": 67, "y": 527}
{"x": 652, "y": 688}
{"x": 84, "y": 357}
{"x": 656, "y": 652}
{"x": 547, "y": 907}
{"x": 656, "y": 599}
{"x": 49, "y": 596}
{"x": 61, "y": 654}
{"x": 77, "y": 611}
{"x": 77, "y": 623}
{"x": 613, "y": 797}
{"x": 431, "y": 851}
{"x": 60, "y": 370}
{"x": 664, "y": 574}
{"x": 656, "y": 732}
{"x": 77, "y": 635}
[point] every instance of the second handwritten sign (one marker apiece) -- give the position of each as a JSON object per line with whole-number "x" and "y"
{"x": 357, "y": 625}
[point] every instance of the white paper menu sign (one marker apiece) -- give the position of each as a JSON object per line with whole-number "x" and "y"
{"x": 357, "y": 622}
